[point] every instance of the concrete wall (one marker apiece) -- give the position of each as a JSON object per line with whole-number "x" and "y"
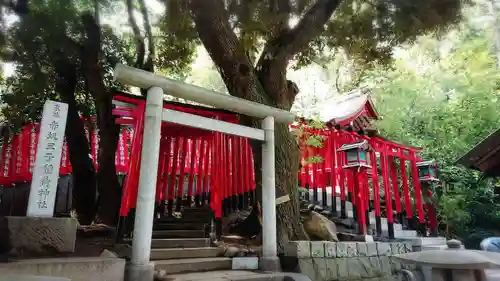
{"x": 329, "y": 261}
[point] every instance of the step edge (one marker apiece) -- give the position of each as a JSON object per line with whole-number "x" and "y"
{"x": 191, "y": 260}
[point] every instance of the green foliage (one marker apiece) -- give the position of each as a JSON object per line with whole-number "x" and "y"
{"x": 446, "y": 101}
{"x": 38, "y": 39}
{"x": 367, "y": 31}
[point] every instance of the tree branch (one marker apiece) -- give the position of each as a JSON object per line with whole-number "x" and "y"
{"x": 291, "y": 42}
{"x": 280, "y": 50}
{"x": 280, "y": 11}
{"x": 225, "y": 50}
{"x": 139, "y": 39}
{"x": 149, "y": 64}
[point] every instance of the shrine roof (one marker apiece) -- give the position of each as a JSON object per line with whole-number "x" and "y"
{"x": 484, "y": 156}
{"x": 349, "y": 106}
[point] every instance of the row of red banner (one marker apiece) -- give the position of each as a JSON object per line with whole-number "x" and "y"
{"x": 363, "y": 183}
{"x": 18, "y": 153}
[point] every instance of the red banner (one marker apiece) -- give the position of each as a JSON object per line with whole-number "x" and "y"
{"x": 122, "y": 152}
{"x": 65, "y": 168}
{"x": 5, "y": 176}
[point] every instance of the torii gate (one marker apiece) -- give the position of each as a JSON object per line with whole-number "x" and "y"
{"x": 155, "y": 114}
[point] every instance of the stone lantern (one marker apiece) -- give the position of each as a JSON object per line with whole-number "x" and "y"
{"x": 451, "y": 264}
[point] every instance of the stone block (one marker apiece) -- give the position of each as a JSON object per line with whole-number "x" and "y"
{"x": 75, "y": 269}
{"x": 397, "y": 248}
{"x": 395, "y": 264}
{"x": 342, "y": 267}
{"x": 371, "y": 249}
{"x": 245, "y": 263}
{"x": 22, "y": 277}
{"x": 321, "y": 268}
{"x": 362, "y": 249}
{"x": 385, "y": 265}
{"x": 331, "y": 249}
{"x": 299, "y": 249}
{"x": 364, "y": 267}
{"x": 42, "y": 236}
{"x": 313, "y": 268}
{"x": 407, "y": 248}
{"x": 352, "y": 249}
{"x": 347, "y": 249}
{"x": 341, "y": 250}
{"x": 317, "y": 249}
{"x": 332, "y": 269}
{"x": 383, "y": 249}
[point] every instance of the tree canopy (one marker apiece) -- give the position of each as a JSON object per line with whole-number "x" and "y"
{"x": 63, "y": 50}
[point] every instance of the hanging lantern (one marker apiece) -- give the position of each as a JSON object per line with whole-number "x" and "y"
{"x": 357, "y": 154}
{"x": 427, "y": 171}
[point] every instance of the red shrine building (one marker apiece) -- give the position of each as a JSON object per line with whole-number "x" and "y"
{"x": 380, "y": 183}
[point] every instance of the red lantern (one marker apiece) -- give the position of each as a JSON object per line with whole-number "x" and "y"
{"x": 427, "y": 171}
{"x": 356, "y": 154}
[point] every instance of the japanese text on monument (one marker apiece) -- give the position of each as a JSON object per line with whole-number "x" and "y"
{"x": 48, "y": 156}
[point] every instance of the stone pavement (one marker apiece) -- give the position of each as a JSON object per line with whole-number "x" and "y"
{"x": 236, "y": 275}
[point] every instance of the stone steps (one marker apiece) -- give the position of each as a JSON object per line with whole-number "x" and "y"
{"x": 185, "y": 253}
{"x": 180, "y": 233}
{"x": 180, "y": 245}
{"x": 193, "y": 265}
{"x": 178, "y": 226}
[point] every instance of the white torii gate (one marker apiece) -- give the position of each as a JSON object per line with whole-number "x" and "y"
{"x": 140, "y": 267}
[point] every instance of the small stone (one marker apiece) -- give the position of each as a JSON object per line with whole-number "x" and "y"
{"x": 108, "y": 254}
{"x": 162, "y": 273}
{"x": 454, "y": 244}
{"x": 230, "y": 251}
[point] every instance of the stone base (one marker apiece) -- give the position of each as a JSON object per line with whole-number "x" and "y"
{"x": 75, "y": 269}
{"x": 139, "y": 272}
{"x": 22, "y": 277}
{"x": 40, "y": 236}
{"x": 270, "y": 264}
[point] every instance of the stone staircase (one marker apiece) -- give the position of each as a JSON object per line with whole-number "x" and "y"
{"x": 182, "y": 245}
{"x": 399, "y": 232}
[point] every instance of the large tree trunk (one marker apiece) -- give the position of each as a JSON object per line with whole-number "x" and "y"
{"x": 107, "y": 181}
{"x": 287, "y": 165}
{"x": 265, "y": 83}
{"x": 84, "y": 176}
{"x": 241, "y": 80}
